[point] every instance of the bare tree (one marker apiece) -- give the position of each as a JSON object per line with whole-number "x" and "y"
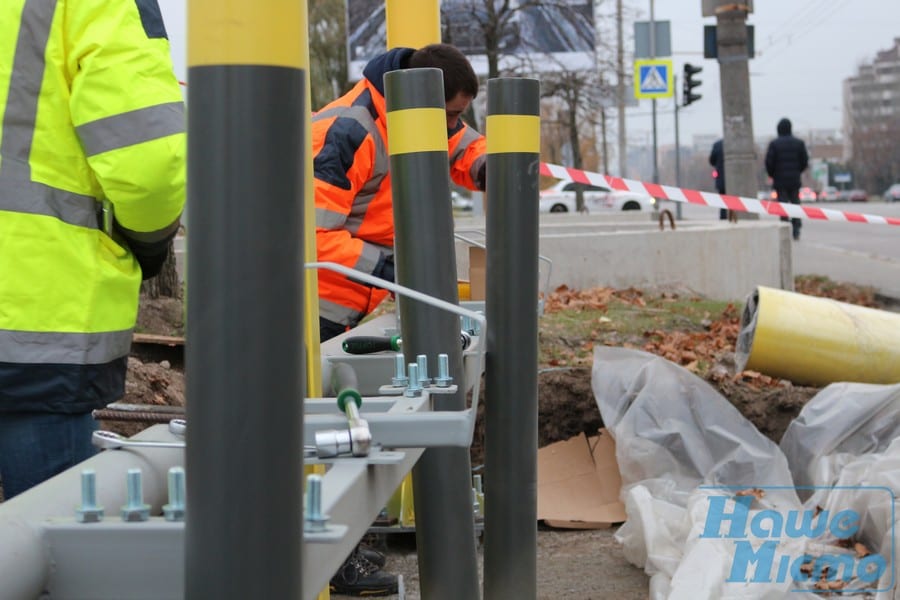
{"x": 494, "y": 28}
{"x": 166, "y": 283}
{"x": 327, "y": 51}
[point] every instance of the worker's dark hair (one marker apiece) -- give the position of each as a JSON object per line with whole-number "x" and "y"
{"x": 459, "y": 76}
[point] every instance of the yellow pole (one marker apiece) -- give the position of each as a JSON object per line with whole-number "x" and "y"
{"x": 412, "y": 23}
{"x": 310, "y": 276}
{"x": 817, "y": 341}
{"x": 311, "y": 289}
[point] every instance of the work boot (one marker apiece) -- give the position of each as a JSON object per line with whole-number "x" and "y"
{"x": 373, "y": 556}
{"x": 360, "y": 577}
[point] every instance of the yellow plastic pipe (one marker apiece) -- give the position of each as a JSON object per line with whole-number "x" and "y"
{"x": 412, "y": 23}
{"x": 817, "y": 341}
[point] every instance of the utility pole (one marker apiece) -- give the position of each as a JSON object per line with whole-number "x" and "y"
{"x": 620, "y": 88}
{"x": 652, "y": 56}
{"x": 734, "y": 80}
{"x": 603, "y": 133}
{"x": 677, "y": 146}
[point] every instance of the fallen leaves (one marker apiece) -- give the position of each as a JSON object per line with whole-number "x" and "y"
{"x": 598, "y": 298}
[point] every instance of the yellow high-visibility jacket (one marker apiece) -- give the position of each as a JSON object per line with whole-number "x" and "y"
{"x": 90, "y": 109}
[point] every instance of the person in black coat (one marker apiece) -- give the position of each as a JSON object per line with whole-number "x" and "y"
{"x": 786, "y": 159}
{"x": 717, "y": 161}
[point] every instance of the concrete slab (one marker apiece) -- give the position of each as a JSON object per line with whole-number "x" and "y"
{"x": 719, "y": 260}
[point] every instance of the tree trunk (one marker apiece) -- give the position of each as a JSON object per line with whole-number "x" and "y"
{"x": 165, "y": 284}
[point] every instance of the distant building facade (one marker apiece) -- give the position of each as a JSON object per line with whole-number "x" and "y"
{"x": 871, "y": 100}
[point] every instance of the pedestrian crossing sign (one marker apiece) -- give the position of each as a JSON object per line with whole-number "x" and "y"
{"x": 653, "y": 78}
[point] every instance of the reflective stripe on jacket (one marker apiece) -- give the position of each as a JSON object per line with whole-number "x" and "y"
{"x": 89, "y": 109}
{"x": 354, "y": 215}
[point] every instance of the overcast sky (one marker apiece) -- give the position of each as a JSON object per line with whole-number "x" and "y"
{"x": 804, "y": 50}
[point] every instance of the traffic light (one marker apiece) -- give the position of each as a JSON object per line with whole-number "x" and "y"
{"x": 687, "y": 96}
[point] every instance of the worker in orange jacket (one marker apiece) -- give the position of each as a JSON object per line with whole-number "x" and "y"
{"x": 354, "y": 213}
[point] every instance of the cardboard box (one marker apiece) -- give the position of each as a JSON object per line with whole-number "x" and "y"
{"x": 477, "y": 272}
{"x": 579, "y": 483}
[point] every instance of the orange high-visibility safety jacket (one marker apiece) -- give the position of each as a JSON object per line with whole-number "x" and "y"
{"x": 354, "y": 214}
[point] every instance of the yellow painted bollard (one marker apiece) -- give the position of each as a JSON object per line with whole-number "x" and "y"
{"x": 412, "y": 23}
{"x": 817, "y": 341}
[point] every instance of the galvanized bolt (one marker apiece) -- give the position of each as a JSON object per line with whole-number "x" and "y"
{"x": 135, "y": 509}
{"x": 89, "y": 512}
{"x": 443, "y": 378}
{"x": 415, "y": 386}
{"x": 467, "y": 325}
{"x": 174, "y": 510}
{"x": 422, "y": 362}
{"x": 314, "y": 520}
{"x": 399, "y": 379}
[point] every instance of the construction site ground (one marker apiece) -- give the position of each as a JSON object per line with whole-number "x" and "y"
{"x": 694, "y": 332}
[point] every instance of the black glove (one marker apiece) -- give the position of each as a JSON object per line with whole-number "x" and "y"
{"x": 385, "y": 268}
{"x": 150, "y": 255}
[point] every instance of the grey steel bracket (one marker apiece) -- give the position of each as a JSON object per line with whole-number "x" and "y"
{"x": 393, "y": 390}
{"x": 445, "y": 428}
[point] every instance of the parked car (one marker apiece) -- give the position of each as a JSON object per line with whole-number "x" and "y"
{"x": 560, "y": 198}
{"x": 459, "y": 201}
{"x": 829, "y": 193}
{"x": 892, "y": 194}
{"x": 807, "y": 195}
{"x": 858, "y": 196}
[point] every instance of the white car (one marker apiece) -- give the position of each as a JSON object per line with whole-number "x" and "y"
{"x": 560, "y": 198}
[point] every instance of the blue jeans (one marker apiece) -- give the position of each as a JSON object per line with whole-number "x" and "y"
{"x": 36, "y": 446}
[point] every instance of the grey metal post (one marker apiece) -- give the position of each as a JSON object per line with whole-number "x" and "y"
{"x": 653, "y": 55}
{"x": 426, "y": 261}
{"x": 677, "y": 145}
{"x": 245, "y": 355}
{"x": 511, "y": 417}
{"x": 737, "y": 117}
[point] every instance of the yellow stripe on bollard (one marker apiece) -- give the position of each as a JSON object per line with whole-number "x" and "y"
{"x": 417, "y": 130}
{"x": 236, "y": 32}
{"x": 513, "y": 133}
{"x": 412, "y": 23}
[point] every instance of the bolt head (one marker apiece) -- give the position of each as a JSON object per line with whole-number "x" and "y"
{"x": 89, "y": 515}
{"x": 133, "y": 514}
{"x": 173, "y": 513}
{"x": 316, "y": 524}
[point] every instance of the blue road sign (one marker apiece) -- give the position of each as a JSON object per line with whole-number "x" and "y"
{"x": 653, "y": 78}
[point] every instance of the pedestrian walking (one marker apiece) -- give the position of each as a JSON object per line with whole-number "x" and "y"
{"x": 717, "y": 161}
{"x": 786, "y": 159}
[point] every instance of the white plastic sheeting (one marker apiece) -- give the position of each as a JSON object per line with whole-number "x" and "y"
{"x": 679, "y": 442}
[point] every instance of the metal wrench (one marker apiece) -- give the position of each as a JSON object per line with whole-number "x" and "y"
{"x": 107, "y": 440}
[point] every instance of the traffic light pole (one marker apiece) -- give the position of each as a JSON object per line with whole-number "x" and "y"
{"x": 737, "y": 122}
{"x": 677, "y": 147}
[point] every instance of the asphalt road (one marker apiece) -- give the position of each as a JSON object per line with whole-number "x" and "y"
{"x": 857, "y": 253}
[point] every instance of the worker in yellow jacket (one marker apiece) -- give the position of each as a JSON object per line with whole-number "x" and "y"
{"x": 92, "y": 185}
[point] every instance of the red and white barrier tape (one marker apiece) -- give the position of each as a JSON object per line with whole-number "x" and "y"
{"x": 665, "y": 192}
